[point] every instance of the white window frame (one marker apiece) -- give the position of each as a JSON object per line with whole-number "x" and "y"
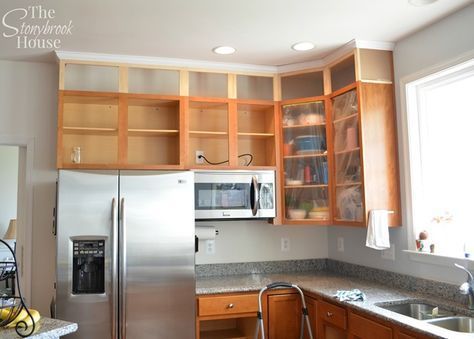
{"x": 410, "y": 149}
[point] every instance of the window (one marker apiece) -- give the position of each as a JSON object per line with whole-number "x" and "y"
{"x": 440, "y": 116}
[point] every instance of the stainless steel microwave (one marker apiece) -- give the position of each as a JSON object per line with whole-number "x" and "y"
{"x": 235, "y": 194}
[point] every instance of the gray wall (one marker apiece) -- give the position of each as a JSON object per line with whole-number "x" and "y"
{"x": 249, "y": 241}
{"x": 8, "y": 185}
{"x": 28, "y": 108}
{"x": 434, "y": 45}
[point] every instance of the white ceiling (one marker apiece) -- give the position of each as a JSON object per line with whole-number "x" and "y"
{"x": 262, "y": 31}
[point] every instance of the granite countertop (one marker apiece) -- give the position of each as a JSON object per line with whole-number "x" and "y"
{"x": 326, "y": 284}
{"x": 46, "y": 328}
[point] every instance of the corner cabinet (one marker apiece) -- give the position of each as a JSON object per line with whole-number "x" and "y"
{"x": 365, "y": 153}
{"x": 339, "y": 144}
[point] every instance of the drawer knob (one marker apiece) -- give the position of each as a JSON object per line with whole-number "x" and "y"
{"x": 230, "y": 306}
{"x": 329, "y": 314}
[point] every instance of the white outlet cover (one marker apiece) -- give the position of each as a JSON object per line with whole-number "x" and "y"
{"x": 210, "y": 246}
{"x": 340, "y": 244}
{"x": 285, "y": 244}
{"x": 389, "y": 253}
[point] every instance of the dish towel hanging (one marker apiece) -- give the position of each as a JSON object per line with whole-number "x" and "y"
{"x": 377, "y": 231}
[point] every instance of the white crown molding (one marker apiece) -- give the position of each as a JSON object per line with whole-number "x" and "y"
{"x": 168, "y": 62}
{"x": 223, "y": 66}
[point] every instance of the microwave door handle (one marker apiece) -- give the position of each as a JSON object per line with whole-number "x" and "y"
{"x": 256, "y": 196}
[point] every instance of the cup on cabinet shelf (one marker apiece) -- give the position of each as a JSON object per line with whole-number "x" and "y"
{"x": 76, "y": 155}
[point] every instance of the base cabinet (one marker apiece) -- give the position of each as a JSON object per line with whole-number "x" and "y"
{"x": 229, "y": 316}
{"x": 331, "y": 321}
{"x": 364, "y": 328}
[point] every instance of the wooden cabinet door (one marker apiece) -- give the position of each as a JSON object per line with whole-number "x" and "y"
{"x": 311, "y": 305}
{"x": 284, "y": 316}
{"x": 331, "y": 321}
{"x": 363, "y": 328}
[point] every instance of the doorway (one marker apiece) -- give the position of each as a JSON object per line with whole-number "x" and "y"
{"x": 16, "y": 161}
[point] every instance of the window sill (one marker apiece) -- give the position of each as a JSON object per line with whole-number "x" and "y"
{"x": 439, "y": 260}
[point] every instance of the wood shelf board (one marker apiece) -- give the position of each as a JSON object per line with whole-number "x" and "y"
{"x": 231, "y": 333}
{"x": 203, "y": 134}
{"x": 347, "y": 117}
{"x": 255, "y": 135}
{"x": 90, "y": 130}
{"x": 152, "y": 132}
{"x": 322, "y": 124}
{"x": 307, "y": 221}
{"x": 300, "y": 156}
{"x": 347, "y": 151}
{"x": 306, "y": 186}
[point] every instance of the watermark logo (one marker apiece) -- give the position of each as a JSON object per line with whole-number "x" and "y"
{"x": 35, "y": 27}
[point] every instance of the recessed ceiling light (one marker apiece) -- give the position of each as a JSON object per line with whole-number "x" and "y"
{"x": 303, "y": 46}
{"x": 420, "y": 3}
{"x": 224, "y": 50}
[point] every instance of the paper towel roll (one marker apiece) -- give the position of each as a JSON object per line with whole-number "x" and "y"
{"x": 206, "y": 232}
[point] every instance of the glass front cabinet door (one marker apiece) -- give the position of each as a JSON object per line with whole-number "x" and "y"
{"x": 305, "y": 163}
{"x": 347, "y": 158}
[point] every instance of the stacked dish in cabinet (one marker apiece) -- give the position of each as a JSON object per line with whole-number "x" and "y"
{"x": 305, "y": 162}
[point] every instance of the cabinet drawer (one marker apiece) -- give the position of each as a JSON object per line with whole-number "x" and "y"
{"x": 366, "y": 328}
{"x": 227, "y": 304}
{"x": 332, "y": 314}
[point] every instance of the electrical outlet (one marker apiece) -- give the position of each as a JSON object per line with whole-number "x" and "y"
{"x": 210, "y": 246}
{"x": 199, "y": 159}
{"x": 389, "y": 253}
{"x": 340, "y": 244}
{"x": 285, "y": 244}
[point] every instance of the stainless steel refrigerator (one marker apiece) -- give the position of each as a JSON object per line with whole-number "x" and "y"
{"x": 125, "y": 254}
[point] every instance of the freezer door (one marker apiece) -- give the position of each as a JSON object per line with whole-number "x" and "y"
{"x": 87, "y": 229}
{"x": 157, "y": 285}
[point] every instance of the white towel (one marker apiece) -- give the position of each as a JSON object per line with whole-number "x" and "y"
{"x": 377, "y": 231}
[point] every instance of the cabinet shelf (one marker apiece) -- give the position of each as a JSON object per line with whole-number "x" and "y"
{"x": 90, "y": 130}
{"x": 255, "y": 135}
{"x": 307, "y": 186}
{"x": 347, "y": 151}
{"x": 322, "y": 124}
{"x": 152, "y": 132}
{"x": 232, "y": 333}
{"x": 206, "y": 134}
{"x": 300, "y": 156}
{"x": 347, "y": 117}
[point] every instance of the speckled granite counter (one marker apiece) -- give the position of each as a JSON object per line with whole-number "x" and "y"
{"x": 326, "y": 284}
{"x": 46, "y": 328}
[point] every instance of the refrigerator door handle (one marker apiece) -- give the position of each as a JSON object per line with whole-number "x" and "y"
{"x": 256, "y": 197}
{"x": 114, "y": 264}
{"x": 123, "y": 269}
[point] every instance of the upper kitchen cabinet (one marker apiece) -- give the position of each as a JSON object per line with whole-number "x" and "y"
{"x": 232, "y": 121}
{"x": 364, "y": 139}
{"x": 305, "y": 168}
{"x": 88, "y": 129}
{"x": 102, "y": 125}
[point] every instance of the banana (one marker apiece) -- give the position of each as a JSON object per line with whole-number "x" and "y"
{"x": 19, "y": 317}
{"x": 23, "y": 316}
{"x": 36, "y": 316}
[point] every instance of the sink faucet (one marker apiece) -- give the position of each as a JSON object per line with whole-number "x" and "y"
{"x": 468, "y": 286}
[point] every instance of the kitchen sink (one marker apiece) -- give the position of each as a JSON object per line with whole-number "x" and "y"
{"x": 417, "y": 310}
{"x": 458, "y": 324}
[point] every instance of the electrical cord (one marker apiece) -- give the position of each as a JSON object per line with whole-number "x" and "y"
{"x": 223, "y": 162}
